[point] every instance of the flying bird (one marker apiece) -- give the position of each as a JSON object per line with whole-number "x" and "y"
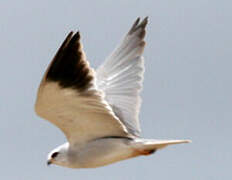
{"x": 97, "y": 110}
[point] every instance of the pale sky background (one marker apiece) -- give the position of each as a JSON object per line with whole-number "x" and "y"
{"x": 187, "y": 88}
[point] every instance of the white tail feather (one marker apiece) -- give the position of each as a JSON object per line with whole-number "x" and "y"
{"x": 150, "y": 144}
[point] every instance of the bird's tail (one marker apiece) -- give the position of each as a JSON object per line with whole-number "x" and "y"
{"x": 149, "y": 146}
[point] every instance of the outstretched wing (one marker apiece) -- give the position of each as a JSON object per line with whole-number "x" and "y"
{"x": 121, "y": 76}
{"x": 68, "y": 98}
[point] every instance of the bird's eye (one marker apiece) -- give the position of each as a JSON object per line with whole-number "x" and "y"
{"x": 54, "y": 155}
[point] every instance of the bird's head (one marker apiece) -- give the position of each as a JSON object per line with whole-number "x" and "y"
{"x": 58, "y": 156}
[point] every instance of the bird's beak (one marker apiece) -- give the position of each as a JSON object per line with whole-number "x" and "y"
{"x": 49, "y": 162}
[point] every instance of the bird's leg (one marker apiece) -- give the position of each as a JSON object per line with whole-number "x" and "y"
{"x": 145, "y": 152}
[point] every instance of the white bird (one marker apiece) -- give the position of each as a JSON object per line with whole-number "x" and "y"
{"x": 97, "y": 110}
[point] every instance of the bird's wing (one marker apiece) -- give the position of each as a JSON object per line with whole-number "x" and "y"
{"x": 121, "y": 77}
{"x": 68, "y": 98}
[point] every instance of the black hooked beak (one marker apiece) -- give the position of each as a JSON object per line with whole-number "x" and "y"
{"x": 49, "y": 162}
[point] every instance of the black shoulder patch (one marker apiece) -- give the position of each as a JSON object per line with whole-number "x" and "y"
{"x": 69, "y": 67}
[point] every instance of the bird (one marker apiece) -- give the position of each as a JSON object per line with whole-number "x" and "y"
{"x": 97, "y": 110}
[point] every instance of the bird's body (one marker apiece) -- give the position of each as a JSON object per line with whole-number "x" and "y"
{"x": 107, "y": 150}
{"x": 100, "y": 152}
{"x": 97, "y": 110}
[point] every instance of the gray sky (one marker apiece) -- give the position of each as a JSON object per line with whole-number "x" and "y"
{"x": 187, "y": 88}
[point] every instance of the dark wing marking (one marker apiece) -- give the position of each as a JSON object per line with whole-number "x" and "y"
{"x": 69, "y": 67}
{"x": 137, "y": 26}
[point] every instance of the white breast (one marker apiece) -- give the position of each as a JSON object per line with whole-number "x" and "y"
{"x": 102, "y": 152}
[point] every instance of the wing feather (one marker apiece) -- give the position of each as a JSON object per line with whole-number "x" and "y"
{"x": 121, "y": 76}
{"x": 68, "y": 97}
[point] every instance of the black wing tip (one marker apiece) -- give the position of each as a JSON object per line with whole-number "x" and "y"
{"x": 77, "y": 35}
{"x": 70, "y": 34}
{"x": 75, "y": 39}
{"x": 144, "y": 22}
{"x": 137, "y": 25}
{"x": 69, "y": 67}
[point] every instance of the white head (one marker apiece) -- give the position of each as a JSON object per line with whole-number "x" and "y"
{"x": 59, "y": 155}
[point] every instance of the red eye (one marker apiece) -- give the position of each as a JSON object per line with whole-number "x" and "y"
{"x": 54, "y": 155}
